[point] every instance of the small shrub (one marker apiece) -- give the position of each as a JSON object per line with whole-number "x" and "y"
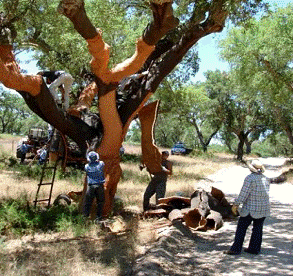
{"x": 19, "y": 217}
{"x": 72, "y": 174}
{"x": 133, "y": 158}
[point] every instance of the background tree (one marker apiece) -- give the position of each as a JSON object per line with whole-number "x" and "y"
{"x": 15, "y": 116}
{"x": 242, "y": 115}
{"x": 193, "y": 109}
{"x": 261, "y": 55}
{"x": 198, "y": 19}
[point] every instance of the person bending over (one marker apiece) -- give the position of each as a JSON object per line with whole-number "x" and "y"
{"x": 158, "y": 183}
{"x": 56, "y": 80}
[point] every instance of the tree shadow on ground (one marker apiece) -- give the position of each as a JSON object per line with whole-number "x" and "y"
{"x": 184, "y": 251}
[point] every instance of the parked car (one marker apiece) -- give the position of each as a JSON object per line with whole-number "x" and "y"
{"x": 180, "y": 149}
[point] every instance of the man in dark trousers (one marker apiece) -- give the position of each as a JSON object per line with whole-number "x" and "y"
{"x": 95, "y": 184}
{"x": 158, "y": 183}
{"x": 255, "y": 200}
{"x": 25, "y": 147}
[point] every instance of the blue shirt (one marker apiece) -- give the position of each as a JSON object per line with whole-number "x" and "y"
{"x": 254, "y": 196}
{"x": 43, "y": 154}
{"x": 24, "y": 148}
{"x": 95, "y": 173}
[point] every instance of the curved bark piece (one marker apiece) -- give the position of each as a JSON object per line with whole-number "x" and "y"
{"x": 176, "y": 201}
{"x": 218, "y": 202}
{"x": 175, "y": 214}
{"x": 217, "y": 194}
{"x": 214, "y": 222}
{"x": 159, "y": 213}
{"x": 151, "y": 156}
{"x": 194, "y": 219}
{"x": 199, "y": 201}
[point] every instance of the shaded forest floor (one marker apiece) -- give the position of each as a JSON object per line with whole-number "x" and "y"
{"x": 184, "y": 252}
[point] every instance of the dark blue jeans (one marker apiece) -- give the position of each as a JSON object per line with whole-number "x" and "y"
{"x": 256, "y": 236}
{"x": 94, "y": 191}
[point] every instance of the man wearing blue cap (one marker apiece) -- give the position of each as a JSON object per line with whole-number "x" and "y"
{"x": 95, "y": 184}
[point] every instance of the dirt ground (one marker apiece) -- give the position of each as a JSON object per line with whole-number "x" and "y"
{"x": 181, "y": 251}
{"x": 166, "y": 250}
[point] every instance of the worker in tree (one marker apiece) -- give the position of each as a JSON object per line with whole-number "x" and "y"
{"x": 158, "y": 183}
{"x": 59, "y": 80}
{"x": 163, "y": 22}
{"x": 95, "y": 184}
{"x": 35, "y": 93}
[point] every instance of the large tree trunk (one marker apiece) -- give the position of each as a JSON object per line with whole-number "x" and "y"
{"x": 203, "y": 143}
{"x": 128, "y": 99}
{"x": 242, "y": 136}
{"x": 248, "y": 146}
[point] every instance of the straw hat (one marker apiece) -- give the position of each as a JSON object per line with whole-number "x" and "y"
{"x": 256, "y": 166}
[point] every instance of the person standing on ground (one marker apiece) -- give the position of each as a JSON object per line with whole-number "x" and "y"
{"x": 42, "y": 155}
{"x": 95, "y": 184}
{"x": 254, "y": 197}
{"x": 24, "y": 149}
{"x": 158, "y": 183}
{"x": 59, "y": 80}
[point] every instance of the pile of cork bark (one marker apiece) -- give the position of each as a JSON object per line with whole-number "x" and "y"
{"x": 201, "y": 211}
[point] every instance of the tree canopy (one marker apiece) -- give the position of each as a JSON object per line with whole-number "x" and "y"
{"x": 261, "y": 58}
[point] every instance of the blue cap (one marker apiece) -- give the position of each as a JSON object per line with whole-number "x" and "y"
{"x": 92, "y": 156}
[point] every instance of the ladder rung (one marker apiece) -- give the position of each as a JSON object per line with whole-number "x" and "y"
{"x": 47, "y": 166}
{"x": 48, "y": 183}
{"x": 51, "y": 168}
{"x": 39, "y": 200}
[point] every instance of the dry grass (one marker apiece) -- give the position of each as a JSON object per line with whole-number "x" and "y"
{"x": 187, "y": 171}
{"x": 8, "y": 144}
{"x": 98, "y": 253}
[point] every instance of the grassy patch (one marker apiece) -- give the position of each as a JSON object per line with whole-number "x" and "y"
{"x": 19, "y": 217}
{"x": 84, "y": 248}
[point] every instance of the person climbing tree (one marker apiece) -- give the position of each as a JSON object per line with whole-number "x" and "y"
{"x": 59, "y": 80}
{"x": 110, "y": 135}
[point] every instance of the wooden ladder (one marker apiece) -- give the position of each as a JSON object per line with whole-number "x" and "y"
{"x": 49, "y": 183}
{"x": 46, "y": 167}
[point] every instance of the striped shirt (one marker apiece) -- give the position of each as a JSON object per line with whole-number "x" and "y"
{"x": 254, "y": 196}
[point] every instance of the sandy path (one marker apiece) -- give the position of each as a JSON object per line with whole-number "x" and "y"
{"x": 183, "y": 252}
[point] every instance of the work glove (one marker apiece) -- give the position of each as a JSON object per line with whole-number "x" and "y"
{"x": 235, "y": 209}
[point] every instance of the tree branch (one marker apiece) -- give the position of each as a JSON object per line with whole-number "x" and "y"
{"x": 277, "y": 75}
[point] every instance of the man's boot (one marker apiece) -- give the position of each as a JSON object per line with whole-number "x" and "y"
{"x": 74, "y": 10}
{"x": 163, "y": 22}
